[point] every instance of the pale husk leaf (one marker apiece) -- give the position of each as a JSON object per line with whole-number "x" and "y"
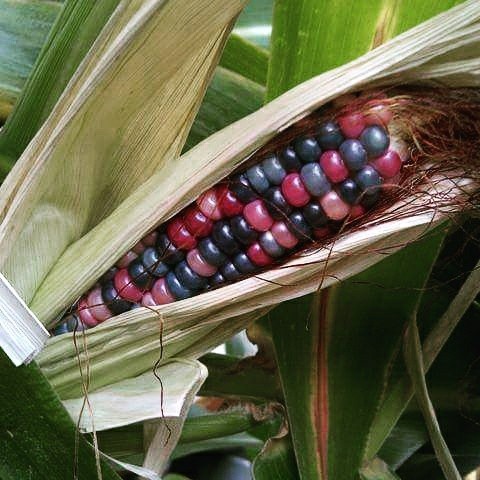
{"x": 133, "y": 97}
{"x": 418, "y": 50}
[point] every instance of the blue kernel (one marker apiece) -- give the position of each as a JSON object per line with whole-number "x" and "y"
{"x": 276, "y": 204}
{"x": 138, "y": 273}
{"x": 151, "y": 261}
{"x": 257, "y": 178}
{"x": 307, "y": 149}
{"x": 176, "y": 288}
{"x": 243, "y": 263}
{"x": 375, "y": 139}
{"x": 168, "y": 252}
{"x": 242, "y": 231}
{"x": 113, "y": 301}
{"x": 211, "y": 253}
{"x": 290, "y": 161}
{"x": 229, "y": 271}
{"x": 217, "y": 279}
{"x": 188, "y": 277}
{"x": 299, "y": 227}
{"x": 315, "y": 215}
{"x": 368, "y": 179}
{"x": 242, "y": 189}
{"x": 315, "y": 180}
{"x": 60, "y": 329}
{"x": 270, "y": 245}
{"x": 353, "y": 154}
{"x": 330, "y": 136}
{"x": 222, "y": 235}
{"x": 349, "y": 191}
{"x": 273, "y": 170}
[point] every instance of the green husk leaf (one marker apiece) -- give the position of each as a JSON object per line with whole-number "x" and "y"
{"x": 32, "y": 416}
{"x": 141, "y": 398}
{"x": 276, "y": 461}
{"x": 24, "y": 26}
{"x": 377, "y": 470}
{"x": 112, "y": 146}
{"x": 414, "y": 361}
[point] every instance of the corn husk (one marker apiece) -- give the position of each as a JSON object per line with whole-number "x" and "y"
{"x": 443, "y": 45}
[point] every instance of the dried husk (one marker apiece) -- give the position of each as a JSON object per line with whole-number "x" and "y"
{"x": 443, "y": 45}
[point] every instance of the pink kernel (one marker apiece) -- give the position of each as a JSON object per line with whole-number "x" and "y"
{"x": 85, "y": 315}
{"x": 333, "y": 206}
{"x": 208, "y": 204}
{"x": 124, "y": 262}
{"x": 125, "y": 287}
{"x": 148, "y": 300}
{"x": 283, "y": 235}
{"x": 151, "y": 239}
{"x": 352, "y": 124}
{"x": 333, "y": 166}
{"x": 294, "y": 190}
{"x": 97, "y": 308}
{"x": 357, "y": 211}
{"x": 160, "y": 292}
{"x": 199, "y": 265}
{"x": 321, "y": 233}
{"x": 378, "y": 114}
{"x": 389, "y": 164}
{"x": 139, "y": 248}
{"x": 258, "y": 256}
{"x": 256, "y": 214}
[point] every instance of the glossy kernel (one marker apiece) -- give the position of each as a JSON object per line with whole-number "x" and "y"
{"x": 179, "y": 235}
{"x": 333, "y": 166}
{"x": 258, "y": 256}
{"x": 197, "y": 223}
{"x": 352, "y": 124}
{"x": 334, "y": 207}
{"x": 388, "y": 165}
{"x": 125, "y": 286}
{"x": 229, "y": 204}
{"x": 283, "y": 235}
{"x": 199, "y": 265}
{"x": 209, "y": 205}
{"x": 294, "y": 190}
{"x": 257, "y": 216}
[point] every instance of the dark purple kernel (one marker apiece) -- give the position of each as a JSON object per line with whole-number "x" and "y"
{"x": 222, "y": 235}
{"x": 368, "y": 179}
{"x": 375, "y": 139}
{"x": 168, "y": 252}
{"x": 290, "y": 161}
{"x": 229, "y": 272}
{"x": 257, "y": 178}
{"x": 242, "y": 230}
{"x": 60, "y": 329}
{"x": 276, "y": 204}
{"x": 353, "y": 154}
{"x": 270, "y": 245}
{"x": 139, "y": 274}
{"x": 349, "y": 191}
{"x": 108, "y": 275}
{"x": 188, "y": 278}
{"x": 151, "y": 261}
{"x": 314, "y": 215}
{"x": 243, "y": 263}
{"x": 315, "y": 180}
{"x": 368, "y": 199}
{"x": 329, "y": 136}
{"x": 299, "y": 227}
{"x": 211, "y": 253}
{"x": 273, "y": 170}
{"x": 217, "y": 279}
{"x": 307, "y": 149}
{"x": 176, "y": 288}
{"x": 242, "y": 189}
{"x": 113, "y": 301}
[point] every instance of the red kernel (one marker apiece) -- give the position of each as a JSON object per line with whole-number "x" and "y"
{"x": 294, "y": 190}
{"x": 160, "y": 292}
{"x": 125, "y": 287}
{"x": 179, "y": 235}
{"x": 333, "y": 166}
{"x": 389, "y": 164}
{"x": 124, "y": 262}
{"x": 258, "y": 256}
{"x": 197, "y": 223}
{"x": 283, "y": 235}
{"x": 229, "y": 204}
{"x": 352, "y": 124}
{"x": 97, "y": 308}
{"x": 208, "y": 204}
{"x": 147, "y": 300}
{"x": 85, "y": 314}
{"x": 333, "y": 206}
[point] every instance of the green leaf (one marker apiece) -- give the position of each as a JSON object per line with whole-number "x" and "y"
{"x": 245, "y": 58}
{"x": 229, "y": 97}
{"x": 24, "y": 26}
{"x": 37, "y": 436}
{"x": 174, "y": 476}
{"x": 377, "y": 470}
{"x": 231, "y": 377}
{"x": 70, "y": 38}
{"x": 414, "y": 362}
{"x": 255, "y": 22}
{"x": 276, "y": 461}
